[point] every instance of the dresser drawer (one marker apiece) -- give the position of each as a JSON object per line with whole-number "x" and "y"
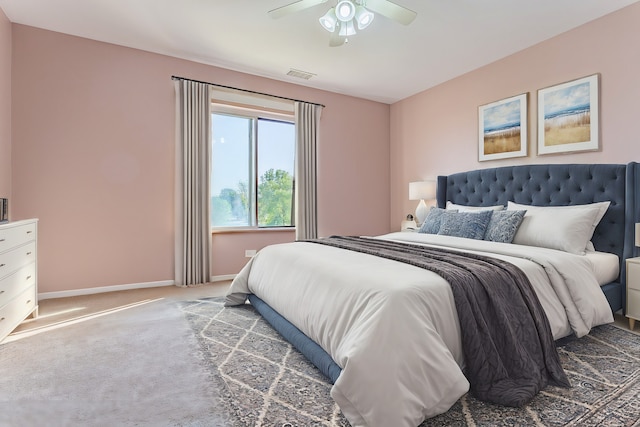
{"x": 16, "y": 236}
{"x": 17, "y": 282}
{"x": 12, "y": 260}
{"x": 12, "y": 314}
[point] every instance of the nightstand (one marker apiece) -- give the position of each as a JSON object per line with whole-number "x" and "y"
{"x": 633, "y": 290}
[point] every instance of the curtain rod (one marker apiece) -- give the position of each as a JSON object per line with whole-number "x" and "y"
{"x": 245, "y": 90}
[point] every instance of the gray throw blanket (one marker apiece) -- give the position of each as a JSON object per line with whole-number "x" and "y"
{"x": 509, "y": 351}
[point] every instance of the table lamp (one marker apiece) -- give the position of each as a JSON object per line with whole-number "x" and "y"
{"x": 422, "y": 190}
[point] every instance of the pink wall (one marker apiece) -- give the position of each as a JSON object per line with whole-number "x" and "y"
{"x": 5, "y": 106}
{"x": 93, "y": 159}
{"x": 436, "y": 132}
{"x": 229, "y": 248}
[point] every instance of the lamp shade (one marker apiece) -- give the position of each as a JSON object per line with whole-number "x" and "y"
{"x": 363, "y": 17}
{"x": 637, "y": 234}
{"x": 345, "y": 10}
{"x": 347, "y": 29}
{"x": 422, "y": 190}
{"x": 329, "y": 20}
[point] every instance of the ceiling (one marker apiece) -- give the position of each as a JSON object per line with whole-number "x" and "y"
{"x": 386, "y": 62}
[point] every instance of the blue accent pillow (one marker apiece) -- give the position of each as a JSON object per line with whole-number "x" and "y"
{"x": 503, "y": 226}
{"x": 431, "y": 223}
{"x": 471, "y": 225}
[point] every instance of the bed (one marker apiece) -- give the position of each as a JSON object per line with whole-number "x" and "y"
{"x": 388, "y": 333}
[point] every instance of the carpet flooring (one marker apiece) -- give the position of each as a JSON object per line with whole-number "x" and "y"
{"x": 265, "y": 382}
{"x": 140, "y": 366}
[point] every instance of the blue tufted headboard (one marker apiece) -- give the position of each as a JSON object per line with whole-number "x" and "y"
{"x": 560, "y": 185}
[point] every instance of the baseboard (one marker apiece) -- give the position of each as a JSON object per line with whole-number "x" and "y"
{"x": 89, "y": 291}
{"x": 223, "y": 278}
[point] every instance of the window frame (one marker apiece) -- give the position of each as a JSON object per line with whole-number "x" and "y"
{"x": 255, "y": 114}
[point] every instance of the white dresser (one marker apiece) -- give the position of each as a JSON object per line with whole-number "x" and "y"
{"x": 18, "y": 273}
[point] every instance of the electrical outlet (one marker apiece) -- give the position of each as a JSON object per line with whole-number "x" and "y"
{"x": 249, "y": 253}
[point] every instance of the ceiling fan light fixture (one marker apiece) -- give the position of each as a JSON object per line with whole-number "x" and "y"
{"x": 345, "y": 10}
{"x": 363, "y": 17}
{"x": 347, "y": 29}
{"x": 329, "y": 20}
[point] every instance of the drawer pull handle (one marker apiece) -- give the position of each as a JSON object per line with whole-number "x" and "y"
{"x": 28, "y": 301}
{"x": 29, "y": 231}
{"x": 1, "y": 292}
{"x": 1, "y": 319}
{"x": 2, "y": 265}
{"x": 29, "y": 253}
{"x": 28, "y": 277}
{"x": 2, "y": 240}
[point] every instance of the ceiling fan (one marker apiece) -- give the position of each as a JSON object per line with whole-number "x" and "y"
{"x": 343, "y": 19}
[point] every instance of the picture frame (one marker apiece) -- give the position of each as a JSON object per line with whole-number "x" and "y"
{"x": 502, "y": 129}
{"x": 569, "y": 117}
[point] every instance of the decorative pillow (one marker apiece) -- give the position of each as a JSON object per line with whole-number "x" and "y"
{"x": 503, "y": 226}
{"x": 463, "y": 208}
{"x": 471, "y": 225}
{"x": 566, "y": 228}
{"x": 431, "y": 223}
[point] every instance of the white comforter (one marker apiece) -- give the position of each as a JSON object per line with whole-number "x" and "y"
{"x": 393, "y": 327}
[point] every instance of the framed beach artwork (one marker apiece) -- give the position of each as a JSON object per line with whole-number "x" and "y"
{"x": 502, "y": 129}
{"x": 568, "y": 117}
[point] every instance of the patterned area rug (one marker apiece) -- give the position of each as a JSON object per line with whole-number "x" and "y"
{"x": 269, "y": 383}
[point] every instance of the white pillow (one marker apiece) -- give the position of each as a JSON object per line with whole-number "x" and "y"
{"x": 566, "y": 228}
{"x": 463, "y": 208}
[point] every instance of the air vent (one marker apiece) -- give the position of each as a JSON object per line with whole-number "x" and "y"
{"x": 300, "y": 74}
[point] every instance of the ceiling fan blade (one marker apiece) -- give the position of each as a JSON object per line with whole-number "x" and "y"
{"x": 392, "y": 11}
{"x": 336, "y": 39}
{"x": 293, "y": 7}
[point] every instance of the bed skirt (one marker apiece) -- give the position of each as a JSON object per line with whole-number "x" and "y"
{"x": 300, "y": 341}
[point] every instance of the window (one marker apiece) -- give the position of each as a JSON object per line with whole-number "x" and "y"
{"x": 252, "y": 168}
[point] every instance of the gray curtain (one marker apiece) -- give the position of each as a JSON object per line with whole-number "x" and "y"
{"x": 193, "y": 178}
{"x": 307, "y": 118}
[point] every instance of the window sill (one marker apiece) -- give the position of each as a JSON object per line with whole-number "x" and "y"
{"x": 252, "y": 230}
